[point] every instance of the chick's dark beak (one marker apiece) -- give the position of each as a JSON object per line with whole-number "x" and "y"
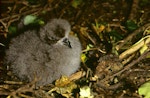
{"x": 67, "y": 42}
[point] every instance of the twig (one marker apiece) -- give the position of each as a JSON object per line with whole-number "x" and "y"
{"x": 20, "y": 14}
{"x": 134, "y": 10}
{"x": 26, "y": 88}
{"x": 111, "y": 87}
{"x": 13, "y": 82}
{"x": 135, "y": 47}
{"x": 91, "y": 49}
{"x": 63, "y": 10}
{"x": 12, "y": 1}
{"x": 142, "y": 28}
{"x": 128, "y": 66}
{"x": 16, "y": 17}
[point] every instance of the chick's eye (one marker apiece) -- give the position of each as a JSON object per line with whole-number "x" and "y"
{"x": 50, "y": 40}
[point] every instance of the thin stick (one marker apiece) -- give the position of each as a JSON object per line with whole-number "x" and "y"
{"x": 128, "y": 66}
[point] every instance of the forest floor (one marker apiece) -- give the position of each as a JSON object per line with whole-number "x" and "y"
{"x": 115, "y": 38}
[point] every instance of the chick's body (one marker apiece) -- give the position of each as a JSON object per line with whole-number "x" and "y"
{"x": 35, "y": 54}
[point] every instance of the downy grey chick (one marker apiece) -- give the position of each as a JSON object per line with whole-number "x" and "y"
{"x": 46, "y": 54}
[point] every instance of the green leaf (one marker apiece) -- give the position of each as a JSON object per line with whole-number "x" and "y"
{"x": 131, "y": 25}
{"x": 12, "y": 29}
{"x": 143, "y": 49}
{"x": 29, "y": 19}
{"x": 145, "y": 90}
{"x": 75, "y": 3}
{"x": 115, "y": 35}
{"x": 83, "y": 57}
{"x": 40, "y": 22}
{"x": 85, "y": 92}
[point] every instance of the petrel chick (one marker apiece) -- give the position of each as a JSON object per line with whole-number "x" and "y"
{"x": 46, "y": 54}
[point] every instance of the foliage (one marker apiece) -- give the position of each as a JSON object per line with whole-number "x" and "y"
{"x": 131, "y": 25}
{"x": 76, "y": 3}
{"x": 30, "y": 19}
{"x": 145, "y": 90}
{"x": 85, "y": 92}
